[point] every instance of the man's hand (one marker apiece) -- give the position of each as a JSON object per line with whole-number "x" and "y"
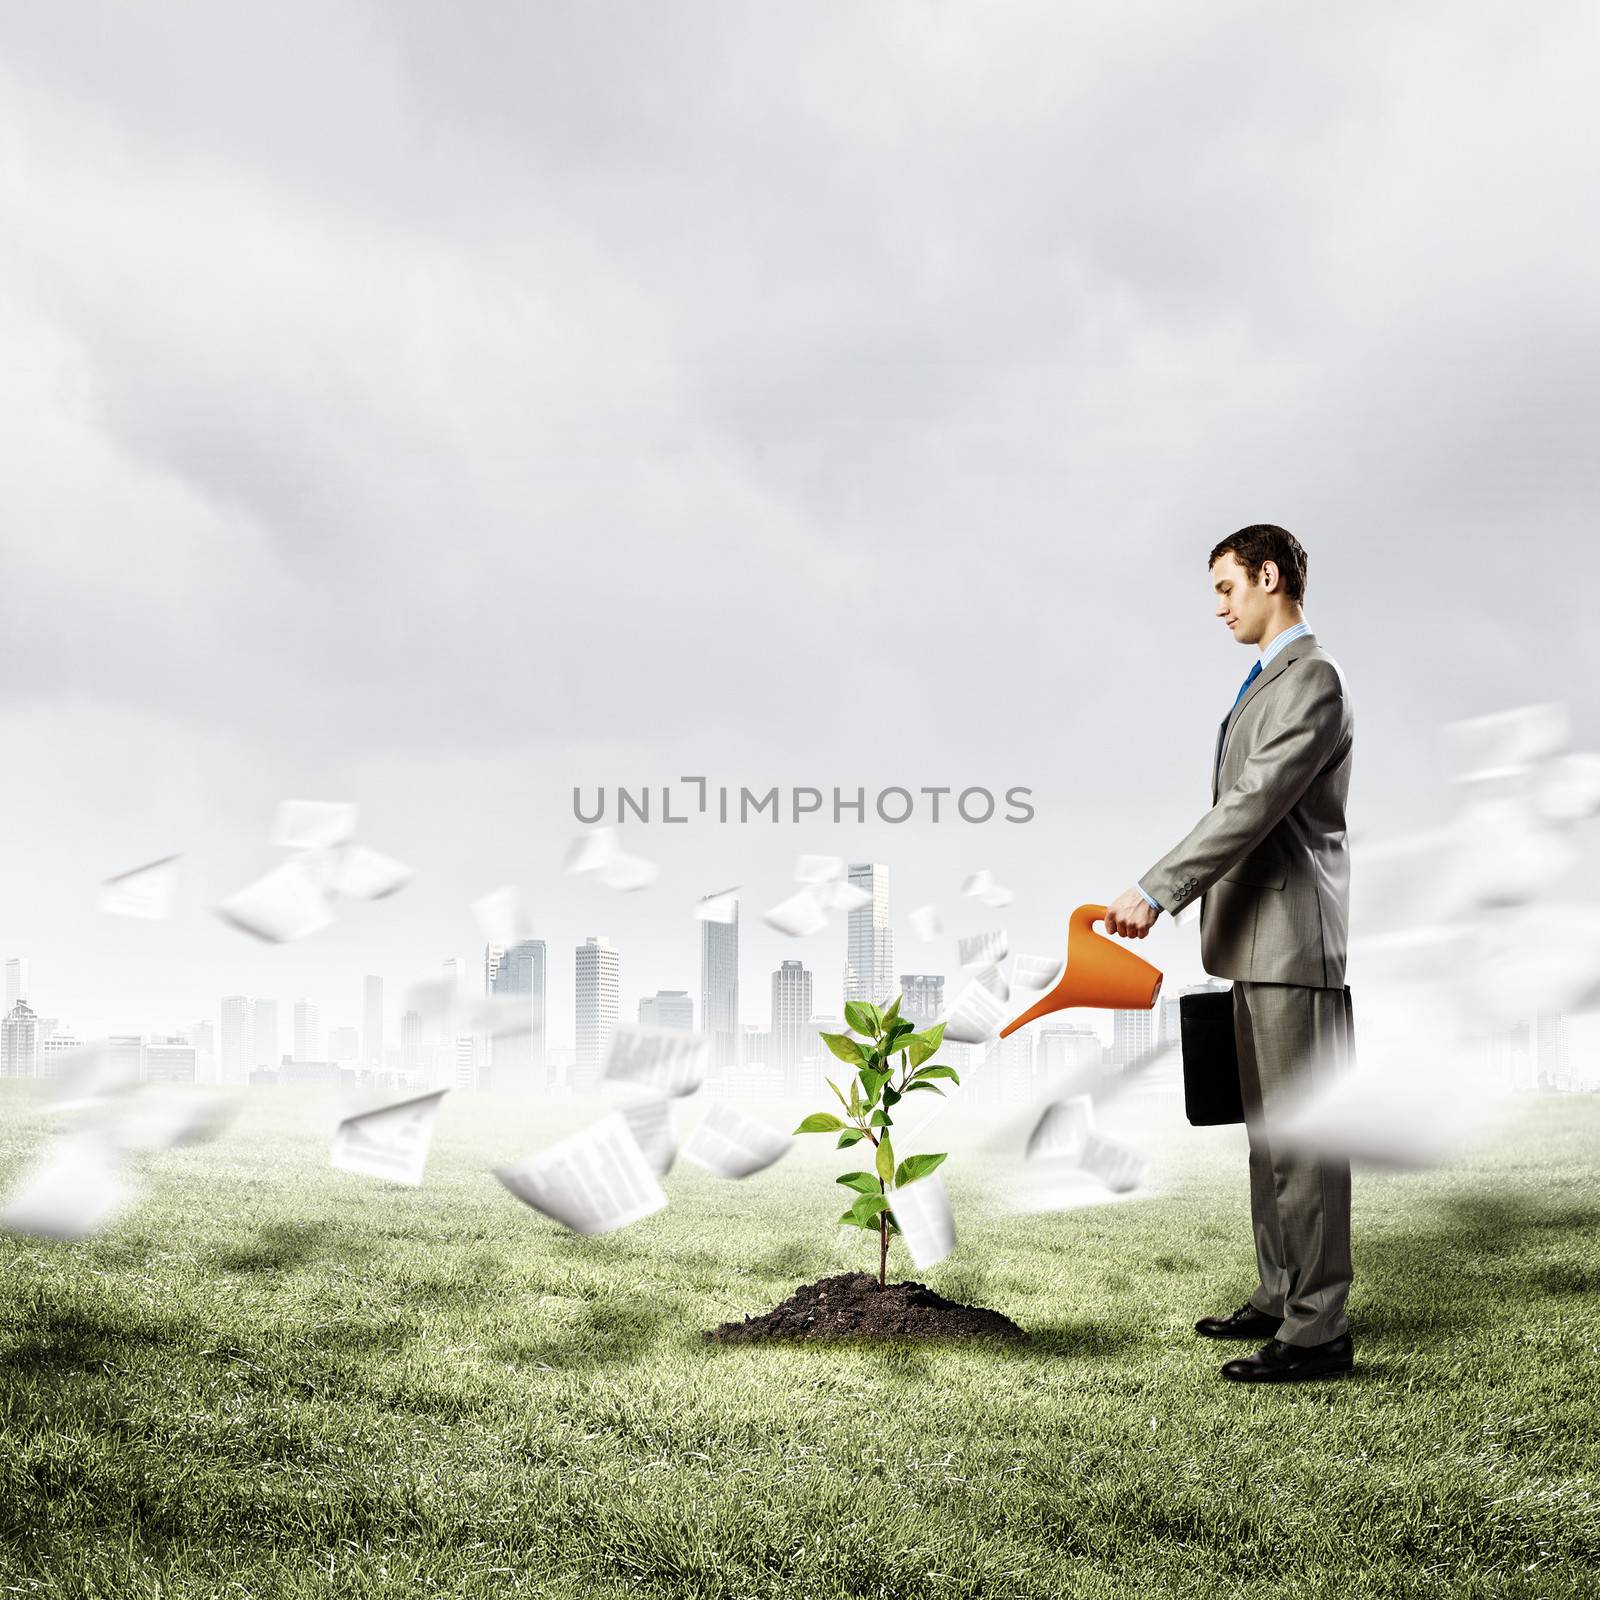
{"x": 1131, "y": 915}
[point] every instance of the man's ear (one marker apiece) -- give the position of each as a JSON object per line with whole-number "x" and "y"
{"x": 1269, "y": 576}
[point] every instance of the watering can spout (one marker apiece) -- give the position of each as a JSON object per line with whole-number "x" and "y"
{"x": 1098, "y": 973}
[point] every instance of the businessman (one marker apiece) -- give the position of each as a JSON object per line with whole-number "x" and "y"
{"x": 1271, "y": 865}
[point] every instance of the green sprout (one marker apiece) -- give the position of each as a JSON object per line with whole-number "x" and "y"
{"x": 874, "y": 1092}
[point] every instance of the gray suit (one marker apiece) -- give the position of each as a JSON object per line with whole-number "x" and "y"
{"x": 1271, "y": 861}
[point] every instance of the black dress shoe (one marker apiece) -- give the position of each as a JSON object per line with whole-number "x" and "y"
{"x": 1245, "y": 1323}
{"x": 1276, "y": 1362}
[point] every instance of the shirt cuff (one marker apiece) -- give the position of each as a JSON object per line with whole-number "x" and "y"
{"x": 1150, "y": 901}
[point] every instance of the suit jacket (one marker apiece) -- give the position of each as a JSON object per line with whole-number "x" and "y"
{"x": 1270, "y": 857}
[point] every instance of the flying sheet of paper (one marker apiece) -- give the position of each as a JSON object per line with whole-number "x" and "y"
{"x": 977, "y": 1014}
{"x": 593, "y": 1181}
{"x": 1119, "y": 1168}
{"x": 1062, "y": 1130}
{"x": 1057, "y": 1185}
{"x": 502, "y": 916}
{"x": 1504, "y": 742}
{"x": 922, "y": 1210}
{"x": 799, "y": 916}
{"x": 982, "y": 949}
{"x": 649, "y": 1119}
{"x": 1515, "y": 854}
{"x": 996, "y": 896}
{"x": 1567, "y": 788}
{"x": 363, "y": 874}
{"x": 1539, "y": 959}
{"x": 722, "y": 907}
{"x": 390, "y": 1141}
{"x": 926, "y": 923}
{"x": 75, "y": 1188}
{"x": 288, "y": 903}
{"x": 592, "y": 850}
{"x": 734, "y": 1145}
{"x": 627, "y": 871}
{"x": 86, "y": 1076}
{"x": 979, "y": 883}
{"x": 666, "y": 1061}
{"x": 842, "y": 896}
{"x": 498, "y": 1015}
{"x": 1036, "y": 972}
{"x": 313, "y": 824}
{"x": 818, "y": 869}
{"x": 162, "y": 1118}
{"x": 994, "y": 980}
{"x": 146, "y": 891}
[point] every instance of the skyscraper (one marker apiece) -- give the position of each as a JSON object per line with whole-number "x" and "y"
{"x": 719, "y": 992}
{"x": 791, "y": 1023}
{"x": 19, "y": 1042}
{"x": 265, "y": 1028}
{"x": 307, "y": 1031}
{"x": 869, "y": 952}
{"x": 599, "y": 995}
{"x": 519, "y": 1060}
{"x": 668, "y": 1008}
{"x": 170, "y": 1060}
{"x": 922, "y": 997}
{"x": 239, "y": 1052}
{"x": 372, "y": 1023}
{"x": 16, "y": 981}
{"x": 1132, "y": 1034}
{"x": 411, "y": 1044}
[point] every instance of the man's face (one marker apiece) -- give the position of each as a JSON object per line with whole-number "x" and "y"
{"x": 1245, "y": 607}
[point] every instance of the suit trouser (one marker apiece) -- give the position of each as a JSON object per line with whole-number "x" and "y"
{"x": 1299, "y": 1201}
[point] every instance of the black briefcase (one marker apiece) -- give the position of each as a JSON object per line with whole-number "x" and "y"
{"x": 1210, "y": 1058}
{"x": 1211, "y": 1094}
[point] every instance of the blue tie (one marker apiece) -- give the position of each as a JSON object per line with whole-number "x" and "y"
{"x": 1244, "y": 688}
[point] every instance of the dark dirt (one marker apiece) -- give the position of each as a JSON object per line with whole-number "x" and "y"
{"x": 852, "y": 1306}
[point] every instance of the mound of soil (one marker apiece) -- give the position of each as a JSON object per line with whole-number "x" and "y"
{"x": 852, "y": 1306}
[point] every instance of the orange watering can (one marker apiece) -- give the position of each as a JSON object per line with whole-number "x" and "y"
{"x": 1098, "y": 973}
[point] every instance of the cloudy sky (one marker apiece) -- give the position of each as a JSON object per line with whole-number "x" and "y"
{"x": 442, "y": 408}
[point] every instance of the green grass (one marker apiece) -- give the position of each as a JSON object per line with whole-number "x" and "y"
{"x": 277, "y": 1380}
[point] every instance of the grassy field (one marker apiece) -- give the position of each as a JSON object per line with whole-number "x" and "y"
{"x": 274, "y": 1379}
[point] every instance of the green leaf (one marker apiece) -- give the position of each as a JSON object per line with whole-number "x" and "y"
{"x": 894, "y": 1227}
{"x": 866, "y": 1208}
{"x": 849, "y": 1137}
{"x": 924, "y": 1045}
{"x": 863, "y": 1018}
{"x": 879, "y": 1119}
{"x": 844, "y": 1047}
{"x": 885, "y": 1161}
{"x": 892, "y": 1010}
{"x": 940, "y": 1070}
{"x": 873, "y": 1083}
{"x": 864, "y": 1181}
{"x": 837, "y": 1093}
{"x": 855, "y": 1098}
{"x": 929, "y": 1088}
{"x": 895, "y": 1038}
{"x": 820, "y": 1122}
{"x": 914, "y": 1167}
{"x": 891, "y": 1096}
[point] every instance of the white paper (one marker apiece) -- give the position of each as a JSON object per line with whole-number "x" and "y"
{"x": 75, "y": 1188}
{"x": 799, "y": 916}
{"x": 389, "y": 1142}
{"x": 734, "y": 1145}
{"x": 313, "y": 824}
{"x": 591, "y": 850}
{"x": 649, "y": 1120}
{"x": 626, "y": 871}
{"x": 1505, "y": 742}
{"x": 723, "y": 907}
{"x": 498, "y": 1015}
{"x": 922, "y": 1210}
{"x": 86, "y": 1077}
{"x": 363, "y": 874}
{"x": 976, "y": 1014}
{"x": 593, "y": 1181}
{"x": 983, "y": 949}
{"x": 1511, "y": 854}
{"x": 666, "y": 1061}
{"x": 502, "y": 916}
{"x": 146, "y": 891}
{"x": 818, "y": 869}
{"x": 842, "y": 896}
{"x": 288, "y": 903}
{"x": 1062, "y": 1130}
{"x": 996, "y": 896}
{"x": 1567, "y": 788}
{"x": 926, "y": 923}
{"x": 979, "y": 883}
{"x": 994, "y": 980}
{"x": 162, "y": 1118}
{"x": 1119, "y": 1168}
{"x": 1036, "y": 972}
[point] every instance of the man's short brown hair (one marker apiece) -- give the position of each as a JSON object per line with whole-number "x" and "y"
{"x": 1263, "y": 541}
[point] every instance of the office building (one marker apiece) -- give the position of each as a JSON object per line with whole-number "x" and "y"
{"x": 599, "y": 995}
{"x": 869, "y": 949}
